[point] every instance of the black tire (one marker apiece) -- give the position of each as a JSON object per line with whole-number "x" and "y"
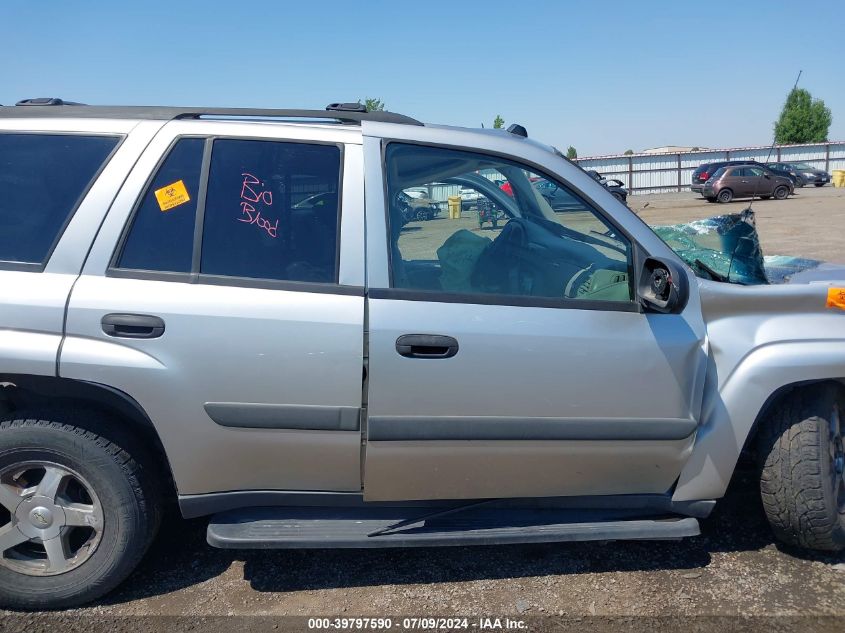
{"x": 781, "y": 192}
{"x": 126, "y": 488}
{"x": 801, "y": 481}
{"x": 725, "y": 195}
{"x": 819, "y": 184}
{"x": 618, "y": 196}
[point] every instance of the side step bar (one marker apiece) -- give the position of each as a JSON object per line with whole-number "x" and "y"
{"x": 308, "y": 528}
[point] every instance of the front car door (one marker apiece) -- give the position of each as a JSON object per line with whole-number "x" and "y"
{"x": 232, "y": 308}
{"x": 762, "y": 184}
{"x": 516, "y": 361}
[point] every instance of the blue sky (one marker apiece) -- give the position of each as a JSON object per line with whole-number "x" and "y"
{"x": 603, "y": 76}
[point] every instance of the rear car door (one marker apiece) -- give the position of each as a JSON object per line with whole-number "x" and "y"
{"x": 737, "y": 179}
{"x": 516, "y": 362}
{"x": 232, "y": 307}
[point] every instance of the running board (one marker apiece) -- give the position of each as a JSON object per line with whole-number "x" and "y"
{"x": 306, "y": 528}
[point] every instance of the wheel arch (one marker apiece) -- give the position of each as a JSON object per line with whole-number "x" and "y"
{"x": 733, "y": 411}
{"x": 64, "y": 398}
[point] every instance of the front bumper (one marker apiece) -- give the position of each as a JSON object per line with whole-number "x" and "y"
{"x": 816, "y": 179}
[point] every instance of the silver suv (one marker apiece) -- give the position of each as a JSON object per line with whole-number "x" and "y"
{"x": 227, "y": 309}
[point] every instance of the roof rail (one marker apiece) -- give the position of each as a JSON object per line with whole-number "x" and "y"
{"x": 52, "y": 107}
{"x": 51, "y": 101}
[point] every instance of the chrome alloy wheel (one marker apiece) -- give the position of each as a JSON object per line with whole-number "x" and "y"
{"x": 51, "y": 520}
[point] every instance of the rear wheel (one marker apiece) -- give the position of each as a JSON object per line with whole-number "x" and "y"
{"x": 782, "y": 192}
{"x": 725, "y": 195}
{"x": 802, "y": 482}
{"x": 78, "y": 513}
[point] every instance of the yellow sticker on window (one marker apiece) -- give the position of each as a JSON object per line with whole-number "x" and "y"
{"x": 172, "y": 196}
{"x": 836, "y": 298}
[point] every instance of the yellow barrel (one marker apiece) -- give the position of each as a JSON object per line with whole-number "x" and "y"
{"x": 454, "y": 207}
{"x": 838, "y": 177}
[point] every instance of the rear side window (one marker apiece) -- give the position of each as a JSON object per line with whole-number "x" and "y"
{"x": 272, "y": 211}
{"x": 162, "y": 233}
{"x": 43, "y": 178}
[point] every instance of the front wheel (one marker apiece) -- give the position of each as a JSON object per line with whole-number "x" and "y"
{"x": 802, "y": 481}
{"x": 781, "y": 193}
{"x": 78, "y": 513}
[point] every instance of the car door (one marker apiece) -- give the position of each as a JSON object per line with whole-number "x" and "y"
{"x": 232, "y": 308}
{"x": 516, "y": 362}
{"x": 737, "y": 180}
{"x": 762, "y": 182}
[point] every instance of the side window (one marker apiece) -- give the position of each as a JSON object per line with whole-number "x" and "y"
{"x": 162, "y": 233}
{"x": 272, "y": 211}
{"x": 43, "y": 178}
{"x": 522, "y": 233}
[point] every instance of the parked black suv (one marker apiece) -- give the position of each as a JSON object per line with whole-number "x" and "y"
{"x": 706, "y": 170}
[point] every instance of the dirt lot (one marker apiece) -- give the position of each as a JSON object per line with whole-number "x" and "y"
{"x": 808, "y": 224}
{"x": 733, "y": 568}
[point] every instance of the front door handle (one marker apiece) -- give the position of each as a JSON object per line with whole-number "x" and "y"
{"x": 426, "y": 346}
{"x": 132, "y": 325}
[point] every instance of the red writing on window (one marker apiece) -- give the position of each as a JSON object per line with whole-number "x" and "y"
{"x": 252, "y": 199}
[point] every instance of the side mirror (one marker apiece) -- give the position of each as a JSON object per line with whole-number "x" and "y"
{"x": 767, "y": 177}
{"x": 663, "y": 286}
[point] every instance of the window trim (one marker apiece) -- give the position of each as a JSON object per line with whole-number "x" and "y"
{"x": 524, "y": 301}
{"x": 39, "y": 267}
{"x": 136, "y": 206}
{"x": 195, "y": 276}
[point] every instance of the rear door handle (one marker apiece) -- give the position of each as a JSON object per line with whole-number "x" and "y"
{"x": 426, "y": 346}
{"x": 132, "y": 325}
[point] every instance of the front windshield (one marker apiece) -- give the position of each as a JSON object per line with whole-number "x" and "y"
{"x": 507, "y": 230}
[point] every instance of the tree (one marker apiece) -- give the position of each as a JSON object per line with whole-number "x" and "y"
{"x": 571, "y": 152}
{"x": 628, "y": 152}
{"x": 373, "y": 105}
{"x": 498, "y": 122}
{"x": 695, "y": 149}
{"x": 803, "y": 119}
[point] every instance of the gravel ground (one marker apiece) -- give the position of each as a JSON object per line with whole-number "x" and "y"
{"x": 808, "y": 224}
{"x": 734, "y": 568}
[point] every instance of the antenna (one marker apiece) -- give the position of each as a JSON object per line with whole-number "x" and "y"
{"x": 771, "y": 149}
{"x": 749, "y": 211}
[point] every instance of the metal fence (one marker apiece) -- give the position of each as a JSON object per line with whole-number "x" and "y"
{"x": 655, "y": 173}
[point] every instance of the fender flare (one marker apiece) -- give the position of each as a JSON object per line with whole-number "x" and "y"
{"x": 732, "y": 409}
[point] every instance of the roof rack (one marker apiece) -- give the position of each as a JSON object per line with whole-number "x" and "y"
{"x": 57, "y": 108}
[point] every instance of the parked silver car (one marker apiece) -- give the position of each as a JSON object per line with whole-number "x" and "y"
{"x": 231, "y": 314}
